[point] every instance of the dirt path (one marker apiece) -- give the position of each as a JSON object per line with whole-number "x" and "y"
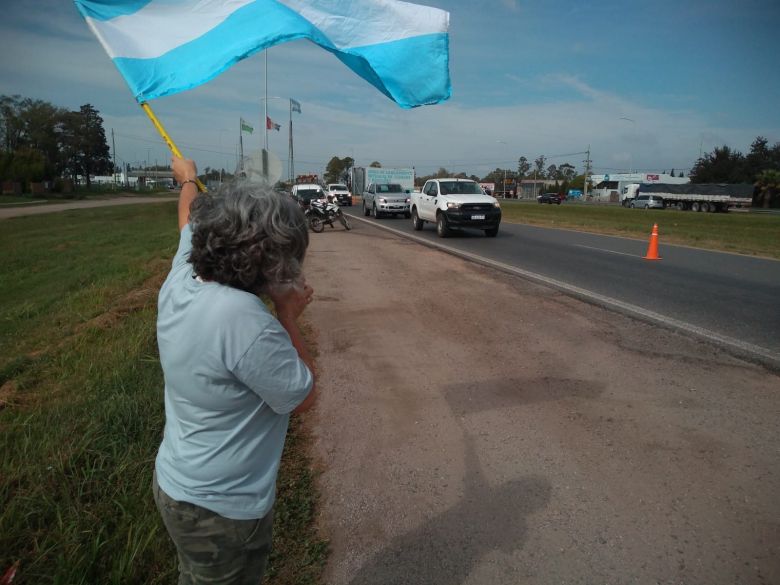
{"x": 8, "y": 212}
{"x": 476, "y": 428}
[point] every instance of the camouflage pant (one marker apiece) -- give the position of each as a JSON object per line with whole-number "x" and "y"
{"x": 212, "y": 549}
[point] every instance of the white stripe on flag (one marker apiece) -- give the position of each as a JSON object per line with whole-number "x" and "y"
{"x": 161, "y": 26}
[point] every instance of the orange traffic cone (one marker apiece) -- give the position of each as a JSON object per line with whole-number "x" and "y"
{"x": 652, "y": 248}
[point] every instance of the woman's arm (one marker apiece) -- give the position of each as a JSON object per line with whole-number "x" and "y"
{"x": 289, "y": 305}
{"x": 185, "y": 172}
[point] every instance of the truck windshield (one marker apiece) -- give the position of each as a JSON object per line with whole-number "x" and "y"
{"x": 460, "y": 188}
{"x": 390, "y": 188}
{"x": 308, "y": 194}
{"x": 338, "y": 187}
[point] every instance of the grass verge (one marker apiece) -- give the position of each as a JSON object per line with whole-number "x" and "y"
{"x": 81, "y": 411}
{"x": 738, "y": 232}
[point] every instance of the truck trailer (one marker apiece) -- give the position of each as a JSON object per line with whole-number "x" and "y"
{"x": 362, "y": 177}
{"x": 709, "y": 197}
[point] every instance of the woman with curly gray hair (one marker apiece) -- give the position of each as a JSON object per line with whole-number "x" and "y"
{"x": 233, "y": 374}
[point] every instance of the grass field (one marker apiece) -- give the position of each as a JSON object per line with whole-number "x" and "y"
{"x": 739, "y": 232}
{"x": 50, "y": 199}
{"x": 81, "y": 411}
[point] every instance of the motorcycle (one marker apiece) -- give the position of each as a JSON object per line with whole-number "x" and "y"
{"x": 323, "y": 212}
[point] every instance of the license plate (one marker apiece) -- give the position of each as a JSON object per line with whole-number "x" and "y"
{"x": 477, "y": 217}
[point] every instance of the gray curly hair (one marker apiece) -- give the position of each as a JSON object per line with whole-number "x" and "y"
{"x": 247, "y": 236}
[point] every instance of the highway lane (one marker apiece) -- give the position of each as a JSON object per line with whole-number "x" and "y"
{"x": 731, "y": 295}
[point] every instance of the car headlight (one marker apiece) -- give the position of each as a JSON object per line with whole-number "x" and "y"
{"x": 407, "y": 200}
{"x": 453, "y": 205}
{"x": 382, "y": 200}
{"x": 497, "y": 204}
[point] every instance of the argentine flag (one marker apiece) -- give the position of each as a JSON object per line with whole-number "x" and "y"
{"x": 162, "y": 47}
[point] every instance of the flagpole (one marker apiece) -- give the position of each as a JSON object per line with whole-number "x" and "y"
{"x": 265, "y": 121}
{"x": 174, "y": 149}
{"x": 290, "y": 148}
{"x": 240, "y": 145}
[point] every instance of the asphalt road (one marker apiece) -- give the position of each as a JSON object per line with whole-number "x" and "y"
{"x": 727, "y": 298}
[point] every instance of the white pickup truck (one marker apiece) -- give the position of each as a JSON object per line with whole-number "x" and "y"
{"x": 455, "y": 203}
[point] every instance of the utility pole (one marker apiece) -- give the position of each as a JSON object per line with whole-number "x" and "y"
{"x": 587, "y": 162}
{"x": 113, "y": 147}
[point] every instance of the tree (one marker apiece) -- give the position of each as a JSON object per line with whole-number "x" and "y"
{"x": 11, "y": 123}
{"x": 767, "y": 192}
{"x": 30, "y": 126}
{"x": 85, "y": 144}
{"x": 27, "y": 165}
{"x": 723, "y": 165}
{"x": 523, "y": 166}
{"x": 42, "y": 126}
{"x": 338, "y": 169}
{"x": 552, "y": 172}
{"x": 376, "y": 165}
{"x": 761, "y": 157}
{"x": 577, "y": 182}
{"x": 567, "y": 172}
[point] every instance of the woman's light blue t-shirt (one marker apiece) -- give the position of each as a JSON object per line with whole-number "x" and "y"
{"x": 232, "y": 376}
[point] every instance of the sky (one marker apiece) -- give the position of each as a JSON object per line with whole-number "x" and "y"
{"x": 644, "y": 86}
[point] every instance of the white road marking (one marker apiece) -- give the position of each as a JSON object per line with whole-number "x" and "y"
{"x": 603, "y": 250}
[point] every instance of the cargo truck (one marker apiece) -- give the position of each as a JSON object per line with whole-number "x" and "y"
{"x": 362, "y": 177}
{"x": 709, "y": 197}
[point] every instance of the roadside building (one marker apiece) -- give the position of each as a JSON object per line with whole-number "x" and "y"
{"x": 530, "y": 188}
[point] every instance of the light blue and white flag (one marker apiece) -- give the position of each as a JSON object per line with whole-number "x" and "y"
{"x": 295, "y": 106}
{"x": 162, "y": 47}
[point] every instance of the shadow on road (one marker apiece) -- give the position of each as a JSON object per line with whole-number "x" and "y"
{"x": 445, "y": 549}
{"x": 477, "y": 396}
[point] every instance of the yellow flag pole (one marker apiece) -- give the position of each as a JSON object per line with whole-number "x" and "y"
{"x": 174, "y": 149}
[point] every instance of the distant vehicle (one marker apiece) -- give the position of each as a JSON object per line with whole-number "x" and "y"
{"x": 385, "y": 199}
{"x": 341, "y": 193}
{"x": 455, "y": 203}
{"x": 549, "y": 198}
{"x": 647, "y": 202}
{"x": 305, "y": 192}
{"x": 362, "y": 177}
{"x": 708, "y": 197}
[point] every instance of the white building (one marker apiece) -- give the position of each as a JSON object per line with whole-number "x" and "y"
{"x": 608, "y": 188}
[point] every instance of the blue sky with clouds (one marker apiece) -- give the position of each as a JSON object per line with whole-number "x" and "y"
{"x": 529, "y": 77}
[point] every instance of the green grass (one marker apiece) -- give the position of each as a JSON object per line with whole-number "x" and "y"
{"x": 81, "y": 411}
{"x": 743, "y": 233}
{"x": 82, "y": 195}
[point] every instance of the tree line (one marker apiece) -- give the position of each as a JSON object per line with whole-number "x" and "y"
{"x": 722, "y": 165}
{"x": 43, "y": 142}
{"x": 725, "y": 165}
